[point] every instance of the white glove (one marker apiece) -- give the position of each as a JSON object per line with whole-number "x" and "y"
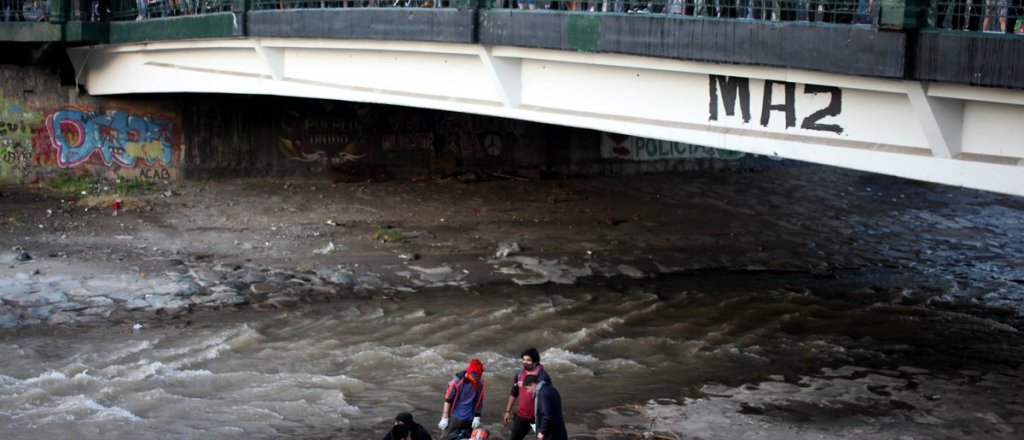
{"x": 443, "y": 424}
{"x": 476, "y": 422}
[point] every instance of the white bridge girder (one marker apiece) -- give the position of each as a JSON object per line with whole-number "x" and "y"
{"x": 943, "y": 133}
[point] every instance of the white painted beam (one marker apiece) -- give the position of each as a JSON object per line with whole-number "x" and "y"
{"x": 273, "y": 58}
{"x": 960, "y": 135}
{"x": 506, "y": 74}
{"x": 942, "y": 120}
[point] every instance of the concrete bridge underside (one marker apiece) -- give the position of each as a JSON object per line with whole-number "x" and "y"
{"x": 946, "y": 133}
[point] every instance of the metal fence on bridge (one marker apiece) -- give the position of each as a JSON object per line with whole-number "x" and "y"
{"x": 994, "y": 16}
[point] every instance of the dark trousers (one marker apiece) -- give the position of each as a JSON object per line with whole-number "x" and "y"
{"x": 520, "y": 427}
{"x": 456, "y": 424}
{"x": 958, "y": 20}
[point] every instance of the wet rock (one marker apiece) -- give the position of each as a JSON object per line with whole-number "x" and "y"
{"x": 254, "y": 278}
{"x": 228, "y": 299}
{"x": 136, "y": 304}
{"x": 174, "y": 306}
{"x": 121, "y": 296}
{"x": 899, "y": 404}
{"x": 36, "y": 299}
{"x": 106, "y": 283}
{"x": 21, "y": 256}
{"x": 99, "y": 301}
{"x": 282, "y": 302}
{"x": 506, "y": 249}
{"x": 264, "y": 288}
{"x": 779, "y": 387}
{"x": 70, "y": 306}
{"x": 751, "y": 408}
{"x": 156, "y": 300}
{"x": 40, "y": 313}
{"x": 14, "y": 290}
{"x": 237, "y": 285}
{"x": 8, "y": 318}
{"x": 188, "y": 288}
{"x": 96, "y": 312}
{"x": 61, "y": 318}
{"x": 912, "y": 370}
{"x": 343, "y": 279}
{"x": 69, "y": 284}
{"x": 630, "y": 271}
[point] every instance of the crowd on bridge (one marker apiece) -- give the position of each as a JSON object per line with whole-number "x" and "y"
{"x": 24, "y": 10}
{"x": 1005, "y": 16}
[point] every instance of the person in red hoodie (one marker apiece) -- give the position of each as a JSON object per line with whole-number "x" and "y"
{"x": 464, "y": 400}
{"x": 524, "y": 415}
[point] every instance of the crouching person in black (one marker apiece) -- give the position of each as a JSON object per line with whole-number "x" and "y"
{"x": 406, "y": 429}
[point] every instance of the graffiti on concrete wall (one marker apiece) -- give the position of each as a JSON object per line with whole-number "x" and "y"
{"x": 407, "y": 132}
{"x": 464, "y": 134}
{"x": 115, "y": 137}
{"x": 619, "y": 146}
{"x": 19, "y": 125}
{"x": 325, "y": 135}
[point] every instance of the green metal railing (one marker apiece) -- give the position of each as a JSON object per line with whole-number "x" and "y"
{"x": 24, "y": 10}
{"x": 1002, "y": 16}
{"x": 125, "y": 10}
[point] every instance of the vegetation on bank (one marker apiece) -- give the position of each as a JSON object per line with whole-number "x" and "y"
{"x": 96, "y": 192}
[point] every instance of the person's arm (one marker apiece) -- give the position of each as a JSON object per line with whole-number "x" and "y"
{"x": 508, "y": 409}
{"x": 542, "y": 416}
{"x": 480, "y": 404}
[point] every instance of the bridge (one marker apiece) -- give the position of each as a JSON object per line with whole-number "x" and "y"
{"x": 907, "y": 88}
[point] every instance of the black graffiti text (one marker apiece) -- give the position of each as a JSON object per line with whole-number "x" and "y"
{"x": 15, "y": 157}
{"x": 155, "y": 173}
{"x": 735, "y": 89}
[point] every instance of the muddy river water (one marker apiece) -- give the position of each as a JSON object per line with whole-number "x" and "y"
{"x": 342, "y": 370}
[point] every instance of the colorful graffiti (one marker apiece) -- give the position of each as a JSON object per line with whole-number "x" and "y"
{"x": 620, "y": 146}
{"x": 115, "y": 136}
{"x": 18, "y": 125}
{"x": 311, "y": 137}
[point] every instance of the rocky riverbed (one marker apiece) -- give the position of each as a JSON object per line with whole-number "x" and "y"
{"x": 945, "y": 258}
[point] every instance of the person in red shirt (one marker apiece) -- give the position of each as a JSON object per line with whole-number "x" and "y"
{"x": 525, "y": 412}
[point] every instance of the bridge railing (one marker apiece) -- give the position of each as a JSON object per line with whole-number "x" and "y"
{"x": 124, "y": 10}
{"x": 824, "y": 11}
{"x": 998, "y": 16}
{"x": 992, "y": 16}
{"x": 24, "y": 10}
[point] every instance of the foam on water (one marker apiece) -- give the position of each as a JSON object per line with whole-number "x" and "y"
{"x": 347, "y": 367}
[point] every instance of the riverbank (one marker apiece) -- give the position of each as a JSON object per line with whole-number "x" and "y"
{"x": 275, "y": 243}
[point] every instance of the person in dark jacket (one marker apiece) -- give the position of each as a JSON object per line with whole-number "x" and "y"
{"x": 524, "y": 414}
{"x": 417, "y": 430}
{"x": 399, "y": 432}
{"x": 548, "y": 405}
